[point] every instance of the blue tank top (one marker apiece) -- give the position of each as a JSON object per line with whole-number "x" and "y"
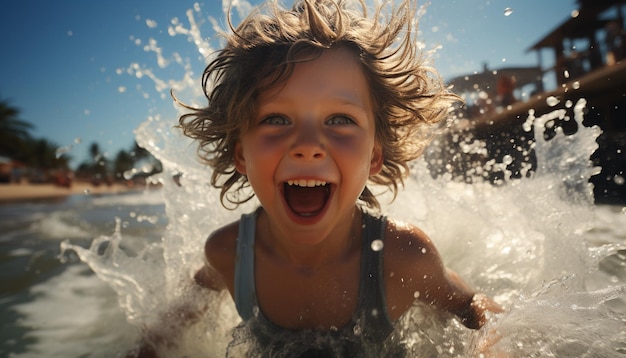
{"x": 365, "y": 336}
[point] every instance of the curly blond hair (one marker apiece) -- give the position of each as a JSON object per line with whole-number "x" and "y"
{"x": 262, "y": 51}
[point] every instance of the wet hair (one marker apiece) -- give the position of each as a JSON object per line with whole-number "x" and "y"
{"x": 407, "y": 95}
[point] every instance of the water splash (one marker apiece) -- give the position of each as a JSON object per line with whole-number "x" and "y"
{"x": 525, "y": 242}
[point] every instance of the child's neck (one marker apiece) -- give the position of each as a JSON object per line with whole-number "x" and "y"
{"x": 342, "y": 242}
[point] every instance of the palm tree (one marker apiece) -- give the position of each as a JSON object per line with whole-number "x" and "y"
{"x": 40, "y": 155}
{"x": 44, "y": 155}
{"x": 13, "y": 131}
{"x": 123, "y": 163}
{"x": 140, "y": 153}
{"x": 94, "y": 151}
{"x": 98, "y": 169}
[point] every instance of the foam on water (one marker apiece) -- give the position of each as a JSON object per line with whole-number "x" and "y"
{"x": 149, "y": 197}
{"x": 82, "y": 328}
{"x": 59, "y": 225}
{"x": 529, "y": 243}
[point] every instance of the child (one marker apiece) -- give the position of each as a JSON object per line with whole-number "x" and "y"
{"x": 305, "y": 106}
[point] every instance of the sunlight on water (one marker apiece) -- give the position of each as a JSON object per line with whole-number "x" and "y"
{"x": 528, "y": 243}
{"x": 86, "y": 323}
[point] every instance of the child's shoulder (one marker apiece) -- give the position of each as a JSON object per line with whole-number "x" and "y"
{"x": 407, "y": 245}
{"x": 406, "y": 236}
{"x": 220, "y": 247}
{"x": 413, "y": 268}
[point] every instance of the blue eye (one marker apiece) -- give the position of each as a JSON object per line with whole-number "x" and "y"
{"x": 340, "y": 120}
{"x": 275, "y": 120}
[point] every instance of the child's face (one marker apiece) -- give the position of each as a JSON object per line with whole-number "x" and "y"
{"x": 311, "y": 147}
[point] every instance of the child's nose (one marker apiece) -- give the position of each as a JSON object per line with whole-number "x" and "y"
{"x": 308, "y": 145}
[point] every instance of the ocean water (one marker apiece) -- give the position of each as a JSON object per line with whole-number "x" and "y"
{"x": 56, "y": 308}
{"x": 81, "y": 276}
{"x": 556, "y": 266}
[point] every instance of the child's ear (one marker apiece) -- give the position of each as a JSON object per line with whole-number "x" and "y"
{"x": 376, "y": 163}
{"x": 240, "y": 160}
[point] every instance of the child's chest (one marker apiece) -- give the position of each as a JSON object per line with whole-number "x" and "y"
{"x": 295, "y": 298}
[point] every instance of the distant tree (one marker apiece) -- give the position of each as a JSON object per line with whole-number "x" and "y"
{"x": 96, "y": 168}
{"x": 94, "y": 152}
{"x": 13, "y": 131}
{"x": 123, "y": 162}
{"x": 42, "y": 154}
{"x": 84, "y": 170}
{"x": 139, "y": 152}
{"x": 149, "y": 164}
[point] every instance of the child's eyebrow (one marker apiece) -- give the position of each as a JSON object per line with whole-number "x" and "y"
{"x": 353, "y": 101}
{"x": 338, "y": 99}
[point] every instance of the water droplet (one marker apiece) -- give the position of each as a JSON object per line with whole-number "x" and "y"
{"x": 576, "y": 85}
{"x": 618, "y": 179}
{"x": 552, "y": 101}
{"x": 416, "y": 294}
{"x": 377, "y": 245}
{"x": 508, "y": 11}
{"x": 129, "y": 174}
{"x": 424, "y": 250}
{"x": 151, "y": 23}
{"x": 62, "y": 150}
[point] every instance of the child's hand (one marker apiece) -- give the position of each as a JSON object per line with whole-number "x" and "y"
{"x": 485, "y": 347}
{"x": 485, "y": 307}
{"x": 144, "y": 350}
{"x": 488, "y": 338}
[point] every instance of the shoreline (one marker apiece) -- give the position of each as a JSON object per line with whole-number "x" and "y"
{"x": 14, "y": 193}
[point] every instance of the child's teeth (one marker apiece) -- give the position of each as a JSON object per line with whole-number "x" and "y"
{"x": 306, "y": 183}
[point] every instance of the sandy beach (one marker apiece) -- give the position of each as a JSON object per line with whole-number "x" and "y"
{"x": 23, "y": 192}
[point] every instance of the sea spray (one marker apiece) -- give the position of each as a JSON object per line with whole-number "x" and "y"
{"x": 526, "y": 242}
{"x": 157, "y": 278}
{"x": 523, "y": 243}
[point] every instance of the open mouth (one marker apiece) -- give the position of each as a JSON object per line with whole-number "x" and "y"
{"x": 306, "y": 197}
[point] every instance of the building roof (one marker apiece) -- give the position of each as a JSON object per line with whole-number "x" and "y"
{"x": 579, "y": 25}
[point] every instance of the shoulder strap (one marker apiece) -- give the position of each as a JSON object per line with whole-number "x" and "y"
{"x": 373, "y": 305}
{"x": 245, "y": 292}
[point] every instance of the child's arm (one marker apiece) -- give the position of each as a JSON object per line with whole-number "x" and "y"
{"x": 165, "y": 332}
{"x": 473, "y": 315}
{"x": 418, "y": 272}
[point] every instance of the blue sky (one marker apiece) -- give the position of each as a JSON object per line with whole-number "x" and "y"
{"x": 65, "y": 64}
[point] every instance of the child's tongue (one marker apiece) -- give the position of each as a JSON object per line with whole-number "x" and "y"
{"x": 306, "y": 200}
